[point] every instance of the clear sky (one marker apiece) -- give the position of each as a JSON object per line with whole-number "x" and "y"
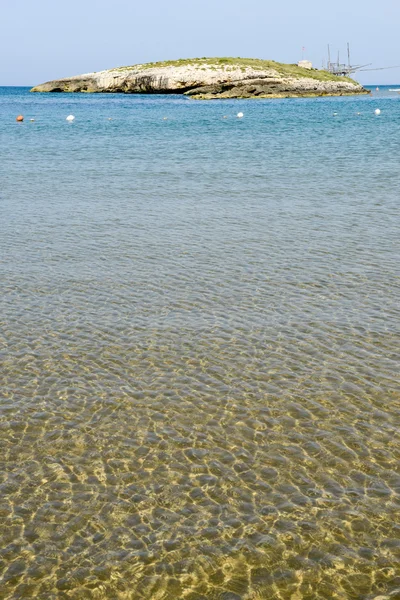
{"x": 48, "y": 39}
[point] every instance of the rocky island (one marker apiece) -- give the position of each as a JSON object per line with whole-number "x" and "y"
{"x": 209, "y": 78}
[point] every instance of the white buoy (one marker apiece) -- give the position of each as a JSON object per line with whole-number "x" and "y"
{"x": 377, "y": 112}
{"x": 335, "y": 114}
{"x": 240, "y": 115}
{"x": 70, "y": 118}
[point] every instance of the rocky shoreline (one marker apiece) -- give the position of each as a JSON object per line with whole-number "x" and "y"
{"x": 210, "y": 79}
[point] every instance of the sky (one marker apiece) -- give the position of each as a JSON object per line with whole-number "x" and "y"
{"x": 42, "y": 40}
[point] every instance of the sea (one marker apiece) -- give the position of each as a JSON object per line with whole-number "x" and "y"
{"x": 200, "y": 347}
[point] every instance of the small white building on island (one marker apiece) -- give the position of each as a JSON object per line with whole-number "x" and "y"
{"x": 305, "y": 64}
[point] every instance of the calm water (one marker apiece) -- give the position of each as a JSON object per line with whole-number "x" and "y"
{"x": 199, "y": 334}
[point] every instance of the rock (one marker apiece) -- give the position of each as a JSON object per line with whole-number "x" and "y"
{"x": 209, "y": 78}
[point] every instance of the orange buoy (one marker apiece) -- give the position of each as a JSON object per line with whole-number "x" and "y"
{"x": 20, "y": 118}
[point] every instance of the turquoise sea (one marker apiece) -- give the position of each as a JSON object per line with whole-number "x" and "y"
{"x": 200, "y": 349}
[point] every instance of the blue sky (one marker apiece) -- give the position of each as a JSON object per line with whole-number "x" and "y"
{"x": 47, "y": 39}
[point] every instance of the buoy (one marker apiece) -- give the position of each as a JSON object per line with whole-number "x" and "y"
{"x": 31, "y": 120}
{"x": 335, "y": 114}
{"x": 70, "y": 118}
{"x": 240, "y": 115}
{"x": 19, "y": 119}
{"x": 377, "y": 89}
{"x": 224, "y": 117}
{"x": 377, "y": 111}
{"x": 165, "y": 119}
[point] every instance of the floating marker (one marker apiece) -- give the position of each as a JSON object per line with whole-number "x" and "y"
{"x": 240, "y": 115}
{"x": 19, "y": 119}
{"x": 31, "y": 120}
{"x": 335, "y": 114}
{"x": 70, "y": 118}
{"x": 377, "y": 112}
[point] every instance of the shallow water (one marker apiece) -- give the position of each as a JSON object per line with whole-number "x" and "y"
{"x": 199, "y": 334}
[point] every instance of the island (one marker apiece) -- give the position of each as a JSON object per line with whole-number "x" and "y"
{"x": 211, "y": 78}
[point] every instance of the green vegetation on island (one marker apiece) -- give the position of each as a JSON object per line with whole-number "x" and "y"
{"x": 257, "y": 64}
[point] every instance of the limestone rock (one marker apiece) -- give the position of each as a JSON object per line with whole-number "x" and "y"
{"x": 209, "y": 78}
